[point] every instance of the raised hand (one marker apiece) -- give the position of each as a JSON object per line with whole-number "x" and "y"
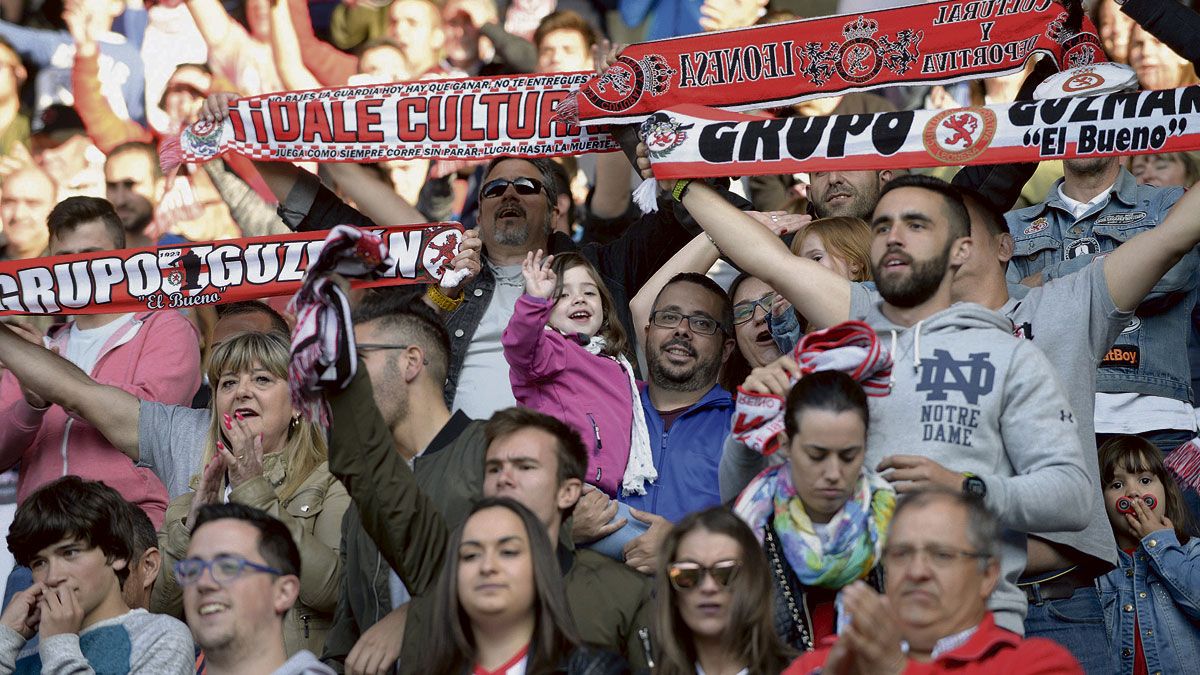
{"x": 216, "y": 107}
{"x": 1145, "y": 520}
{"x": 23, "y": 612}
{"x": 540, "y": 279}
{"x": 773, "y": 378}
{"x": 209, "y": 490}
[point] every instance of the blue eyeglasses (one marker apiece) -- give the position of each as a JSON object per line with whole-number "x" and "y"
{"x": 224, "y": 568}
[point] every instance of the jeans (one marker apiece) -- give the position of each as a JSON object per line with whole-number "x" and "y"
{"x": 1076, "y": 623}
{"x": 1167, "y": 440}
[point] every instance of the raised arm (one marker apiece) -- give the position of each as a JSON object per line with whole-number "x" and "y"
{"x": 373, "y": 195}
{"x": 280, "y": 177}
{"x": 106, "y": 129}
{"x": 1136, "y": 266}
{"x": 332, "y": 66}
{"x": 113, "y": 411}
{"x": 1171, "y": 22}
{"x": 214, "y": 23}
{"x": 288, "y": 57}
{"x": 698, "y": 256}
{"x": 820, "y": 295}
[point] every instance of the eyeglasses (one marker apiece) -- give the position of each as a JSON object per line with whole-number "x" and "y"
{"x": 938, "y": 556}
{"x": 523, "y": 186}
{"x": 224, "y": 568}
{"x": 667, "y": 318}
{"x": 688, "y": 575}
{"x": 376, "y": 346}
{"x": 744, "y": 311}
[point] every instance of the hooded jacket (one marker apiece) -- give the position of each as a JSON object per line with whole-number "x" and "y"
{"x": 972, "y": 397}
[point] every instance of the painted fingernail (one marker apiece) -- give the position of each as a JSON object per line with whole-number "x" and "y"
{"x": 238, "y": 415}
{"x": 228, "y": 421}
{"x": 220, "y": 445}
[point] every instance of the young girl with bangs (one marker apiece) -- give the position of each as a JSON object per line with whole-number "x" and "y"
{"x": 1152, "y": 601}
{"x": 566, "y": 352}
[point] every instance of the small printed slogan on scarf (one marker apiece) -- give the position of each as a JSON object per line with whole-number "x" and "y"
{"x": 699, "y": 142}
{"x": 188, "y": 275}
{"x": 463, "y": 119}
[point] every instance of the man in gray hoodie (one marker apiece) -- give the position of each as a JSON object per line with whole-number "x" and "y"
{"x": 966, "y": 398}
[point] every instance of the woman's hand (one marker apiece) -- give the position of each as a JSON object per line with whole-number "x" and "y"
{"x": 209, "y": 489}
{"x": 1145, "y": 520}
{"x": 540, "y": 279}
{"x": 781, "y": 222}
{"x": 773, "y": 378}
{"x": 244, "y": 454}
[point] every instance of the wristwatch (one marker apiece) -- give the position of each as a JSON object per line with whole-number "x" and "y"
{"x": 973, "y": 486}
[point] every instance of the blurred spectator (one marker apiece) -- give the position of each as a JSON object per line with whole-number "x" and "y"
{"x": 14, "y": 123}
{"x": 380, "y": 62}
{"x": 26, "y": 197}
{"x": 670, "y": 18}
{"x": 1114, "y": 26}
{"x": 154, "y": 355}
{"x": 467, "y": 47}
{"x": 134, "y": 184}
{"x": 1166, "y": 169}
{"x": 239, "y": 55}
{"x": 52, "y": 51}
{"x": 1157, "y": 66}
{"x": 564, "y": 43}
{"x": 61, "y": 146}
{"x": 144, "y": 560}
{"x": 171, "y": 39}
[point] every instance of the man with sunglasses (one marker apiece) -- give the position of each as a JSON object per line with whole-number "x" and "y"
{"x": 241, "y": 576}
{"x": 78, "y": 538}
{"x": 942, "y": 564}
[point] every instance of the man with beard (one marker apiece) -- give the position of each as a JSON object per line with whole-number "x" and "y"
{"x": 1143, "y": 386}
{"x": 133, "y": 183}
{"x": 846, "y": 193}
{"x": 972, "y": 405}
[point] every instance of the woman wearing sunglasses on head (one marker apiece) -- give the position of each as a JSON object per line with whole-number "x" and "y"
{"x": 714, "y": 601}
{"x": 501, "y": 607}
{"x": 821, "y": 517}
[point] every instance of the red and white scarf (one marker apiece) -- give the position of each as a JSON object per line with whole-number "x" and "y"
{"x": 851, "y": 347}
{"x": 784, "y": 63}
{"x": 207, "y": 273}
{"x": 697, "y": 142}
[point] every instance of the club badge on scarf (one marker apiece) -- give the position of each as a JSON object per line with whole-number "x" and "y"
{"x": 206, "y": 273}
{"x": 851, "y": 347}
{"x": 784, "y": 63}
{"x": 462, "y": 119}
{"x": 698, "y": 142}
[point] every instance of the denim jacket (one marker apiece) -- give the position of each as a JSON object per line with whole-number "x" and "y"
{"x": 1146, "y": 358}
{"x": 1160, "y": 586}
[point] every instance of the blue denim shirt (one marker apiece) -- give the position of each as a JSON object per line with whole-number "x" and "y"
{"x": 1147, "y": 358}
{"x": 1159, "y": 585}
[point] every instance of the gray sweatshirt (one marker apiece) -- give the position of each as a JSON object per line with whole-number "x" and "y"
{"x": 969, "y": 395}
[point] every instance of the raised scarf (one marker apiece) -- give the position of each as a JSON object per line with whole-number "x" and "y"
{"x": 639, "y": 468}
{"x": 854, "y": 539}
{"x": 851, "y": 347}
{"x": 458, "y": 119}
{"x": 784, "y": 63}
{"x": 696, "y": 142}
{"x": 207, "y": 273}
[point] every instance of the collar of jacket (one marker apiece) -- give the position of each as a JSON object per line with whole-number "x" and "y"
{"x": 1124, "y": 189}
{"x": 717, "y": 395}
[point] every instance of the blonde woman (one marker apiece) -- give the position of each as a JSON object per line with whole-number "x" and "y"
{"x": 260, "y": 452}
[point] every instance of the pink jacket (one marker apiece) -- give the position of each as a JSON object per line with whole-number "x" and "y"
{"x": 554, "y": 375}
{"x": 155, "y": 356}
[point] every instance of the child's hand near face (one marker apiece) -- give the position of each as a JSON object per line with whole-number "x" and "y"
{"x": 1145, "y": 520}
{"x": 540, "y": 279}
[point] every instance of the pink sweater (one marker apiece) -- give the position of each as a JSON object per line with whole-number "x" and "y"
{"x": 155, "y": 356}
{"x": 554, "y": 375}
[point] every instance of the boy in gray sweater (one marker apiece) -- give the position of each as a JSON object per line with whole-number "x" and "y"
{"x": 77, "y": 537}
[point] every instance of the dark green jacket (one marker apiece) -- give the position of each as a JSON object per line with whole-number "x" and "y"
{"x": 609, "y": 601}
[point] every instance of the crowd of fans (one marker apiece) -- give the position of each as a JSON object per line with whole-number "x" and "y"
{"x": 985, "y": 379}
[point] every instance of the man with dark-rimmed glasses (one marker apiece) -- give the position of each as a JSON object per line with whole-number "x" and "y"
{"x": 240, "y": 578}
{"x": 941, "y": 563}
{"x": 688, "y": 339}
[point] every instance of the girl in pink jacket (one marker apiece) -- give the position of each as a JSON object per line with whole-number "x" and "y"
{"x": 566, "y": 351}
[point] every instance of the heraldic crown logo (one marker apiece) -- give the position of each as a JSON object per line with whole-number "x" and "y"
{"x": 863, "y": 29}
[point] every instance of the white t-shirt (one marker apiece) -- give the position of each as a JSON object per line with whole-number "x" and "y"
{"x": 83, "y": 346}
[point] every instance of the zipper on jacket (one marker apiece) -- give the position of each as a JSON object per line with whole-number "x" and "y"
{"x": 644, "y": 635}
{"x": 304, "y": 618}
{"x": 599, "y": 443}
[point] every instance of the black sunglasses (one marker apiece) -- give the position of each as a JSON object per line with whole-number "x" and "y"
{"x": 523, "y": 186}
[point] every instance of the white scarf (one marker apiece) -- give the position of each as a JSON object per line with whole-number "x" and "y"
{"x": 640, "y": 467}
